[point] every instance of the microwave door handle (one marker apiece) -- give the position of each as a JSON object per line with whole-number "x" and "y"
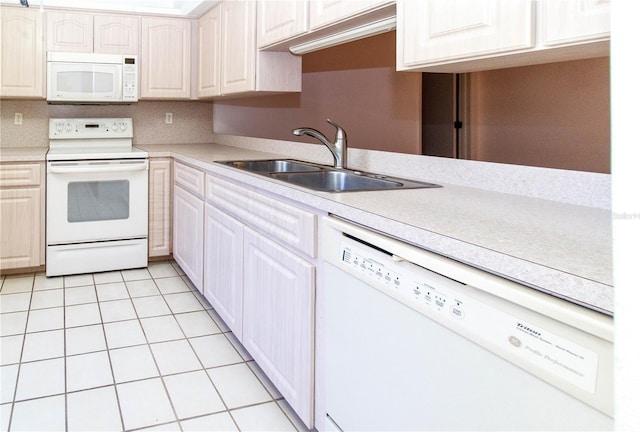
{"x": 85, "y": 168}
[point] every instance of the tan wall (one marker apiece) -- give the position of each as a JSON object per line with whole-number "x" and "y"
{"x": 554, "y": 115}
{"x": 355, "y": 85}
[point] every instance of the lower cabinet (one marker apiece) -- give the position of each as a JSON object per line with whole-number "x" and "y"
{"x": 223, "y": 255}
{"x": 188, "y": 217}
{"x": 278, "y": 304}
{"x": 159, "y": 207}
{"x": 188, "y": 221}
{"x": 262, "y": 286}
{"x": 253, "y": 256}
{"x": 21, "y": 215}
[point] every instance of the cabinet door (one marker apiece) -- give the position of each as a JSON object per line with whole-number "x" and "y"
{"x": 209, "y": 38}
{"x": 116, "y": 34}
{"x": 238, "y": 46}
{"x": 22, "y": 53}
{"x": 69, "y": 31}
{"x": 20, "y": 212}
{"x": 573, "y": 21}
{"x": 165, "y": 58}
{"x": 325, "y": 12}
{"x": 159, "y": 207}
{"x": 280, "y": 20}
{"x": 279, "y": 296}
{"x": 223, "y": 266}
{"x": 188, "y": 220}
{"x": 432, "y": 31}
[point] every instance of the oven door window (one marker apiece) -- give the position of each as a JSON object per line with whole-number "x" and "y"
{"x": 90, "y": 201}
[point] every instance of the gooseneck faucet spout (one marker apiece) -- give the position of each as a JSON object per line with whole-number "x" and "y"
{"x": 338, "y": 148}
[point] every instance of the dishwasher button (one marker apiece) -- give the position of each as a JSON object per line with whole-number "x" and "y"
{"x": 457, "y": 312}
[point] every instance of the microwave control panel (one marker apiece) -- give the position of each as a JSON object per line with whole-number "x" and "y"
{"x": 130, "y": 78}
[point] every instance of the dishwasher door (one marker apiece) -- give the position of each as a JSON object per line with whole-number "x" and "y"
{"x": 405, "y": 348}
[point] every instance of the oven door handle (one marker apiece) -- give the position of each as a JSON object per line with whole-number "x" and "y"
{"x": 66, "y": 168}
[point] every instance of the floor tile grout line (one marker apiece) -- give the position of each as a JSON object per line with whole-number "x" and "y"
{"x": 24, "y": 339}
{"x": 155, "y": 361}
{"x": 113, "y": 376}
{"x": 64, "y": 325}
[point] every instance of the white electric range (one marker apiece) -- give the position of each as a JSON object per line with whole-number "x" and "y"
{"x": 97, "y": 197}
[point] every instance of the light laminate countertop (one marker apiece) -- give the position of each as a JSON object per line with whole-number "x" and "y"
{"x": 559, "y": 248}
{"x": 23, "y": 154}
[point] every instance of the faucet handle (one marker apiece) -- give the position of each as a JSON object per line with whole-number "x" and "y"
{"x": 340, "y": 133}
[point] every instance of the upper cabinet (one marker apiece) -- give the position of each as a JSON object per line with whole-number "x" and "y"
{"x": 280, "y": 20}
{"x": 230, "y": 64}
{"x": 84, "y": 32}
{"x": 22, "y": 53}
{"x": 209, "y": 53}
{"x": 308, "y": 25}
{"x": 238, "y": 46}
{"x": 326, "y": 12}
{"x": 456, "y": 29}
{"x": 574, "y": 21}
{"x": 69, "y": 31}
{"x": 470, "y": 35}
{"x": 116, "y": 34}
{"x": 165, "y": 64}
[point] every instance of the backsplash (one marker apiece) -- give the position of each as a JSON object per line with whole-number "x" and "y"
{"x": 571, "y": 187}
{"x": 191, "y": 121}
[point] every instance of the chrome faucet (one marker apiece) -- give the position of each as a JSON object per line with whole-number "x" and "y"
{"x": 338, "y": 148}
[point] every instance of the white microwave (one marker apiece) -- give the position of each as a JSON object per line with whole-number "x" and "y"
{"x": 88, "y": 78}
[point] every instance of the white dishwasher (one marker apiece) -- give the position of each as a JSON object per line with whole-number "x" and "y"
{"x": 452, "y": 347}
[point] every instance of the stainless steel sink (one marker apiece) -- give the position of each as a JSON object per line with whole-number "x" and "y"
{"x": 275, "y": 165}
{"x": 336, "y": 181}
{"x": 325, "y": 178}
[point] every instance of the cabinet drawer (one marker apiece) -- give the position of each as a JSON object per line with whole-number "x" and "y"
{"x": 189, "y": 178}
{"x": 285, "y": 223}
{"x": 20, "y": 175}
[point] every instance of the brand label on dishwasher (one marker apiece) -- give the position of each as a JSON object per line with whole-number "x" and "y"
{"x": 499, "y": 331}
{"x": 556, "y": 355}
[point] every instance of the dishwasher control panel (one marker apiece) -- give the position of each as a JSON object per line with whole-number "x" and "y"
{"x": 500, "y": 326}
{"x": 398, "y": 278}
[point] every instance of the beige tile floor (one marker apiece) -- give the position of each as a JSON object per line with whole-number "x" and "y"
{"x": 126, "y": 350}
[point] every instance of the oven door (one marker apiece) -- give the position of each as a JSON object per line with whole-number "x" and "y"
{"x": 96, "y": 200}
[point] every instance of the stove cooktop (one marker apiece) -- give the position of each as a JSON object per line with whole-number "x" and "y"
{"x": 92, "y": 139}
{"x": 97, "y": 153}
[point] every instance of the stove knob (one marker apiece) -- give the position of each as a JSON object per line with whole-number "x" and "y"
{"x": 68, "y": 127}
{"x": 123, "y": 126}
{"x": 59, "y": 127}
{"x": 114, "y": 127}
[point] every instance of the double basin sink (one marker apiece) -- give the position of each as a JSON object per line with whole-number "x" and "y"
{"x": 324, "y": 178}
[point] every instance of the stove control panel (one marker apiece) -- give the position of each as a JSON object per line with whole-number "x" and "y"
{"x": 90, "y": 128}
